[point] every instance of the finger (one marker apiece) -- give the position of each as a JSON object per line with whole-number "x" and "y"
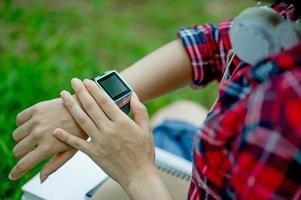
{"x": 24, "y": 147}
{"x": 55, "y": 163}
{"x": 24, "y": 116}
{"x": 26, "y": 163}
{"x": 72, "y": 140}
{"x": 79, "y": 115}
{"x": 23, "y": 131}
{"x": 89, "y": 104}
{"x": 104, "y": 101}
{"x": 140, "y": 112}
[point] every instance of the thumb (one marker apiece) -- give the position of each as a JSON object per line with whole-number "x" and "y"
{"x": 139, "y": 111}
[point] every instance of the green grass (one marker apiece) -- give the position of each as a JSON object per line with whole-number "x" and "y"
{"x": 43, "y": 44}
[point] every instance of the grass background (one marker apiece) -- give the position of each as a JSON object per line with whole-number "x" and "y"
{"x": 43, "y": 44}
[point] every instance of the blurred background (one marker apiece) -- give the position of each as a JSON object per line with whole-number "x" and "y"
{"x": 43, "y": 44}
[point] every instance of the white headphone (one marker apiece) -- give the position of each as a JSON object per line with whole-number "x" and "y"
{"x": 259, "y": 32}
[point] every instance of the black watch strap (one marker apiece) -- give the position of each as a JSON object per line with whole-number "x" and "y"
{"x": 126, "y": 108}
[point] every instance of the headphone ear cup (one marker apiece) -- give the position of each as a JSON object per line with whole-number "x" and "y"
{"x": 288, "y": 34}
{"x": 248, "y": 44}
{"x": 252, "y": 36}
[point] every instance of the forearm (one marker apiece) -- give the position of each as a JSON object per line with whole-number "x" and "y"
{"x": 148, "y": 187}
{"x": 164, "y": 70}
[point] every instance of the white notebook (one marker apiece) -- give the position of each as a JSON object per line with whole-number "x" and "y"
{"x": 80, "y": 174}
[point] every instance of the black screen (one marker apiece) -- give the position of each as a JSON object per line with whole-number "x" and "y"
{"x": 114, "y": 86}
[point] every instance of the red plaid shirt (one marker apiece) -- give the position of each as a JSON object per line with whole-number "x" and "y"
{"x": 249, "y": 147}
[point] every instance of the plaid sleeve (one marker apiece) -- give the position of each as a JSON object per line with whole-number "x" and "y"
{"x": 268, "y": 155}
{"x": 207, "y": 47}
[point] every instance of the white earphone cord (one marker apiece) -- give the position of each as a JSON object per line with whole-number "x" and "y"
{"x": 228, "y": 62}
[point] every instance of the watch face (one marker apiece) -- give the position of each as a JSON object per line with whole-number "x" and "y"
{"x": 114, "y": 86}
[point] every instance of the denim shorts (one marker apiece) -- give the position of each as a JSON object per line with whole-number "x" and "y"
{"x": 175, "y": 137}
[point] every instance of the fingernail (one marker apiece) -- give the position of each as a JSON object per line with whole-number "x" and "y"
{"x": 136, "y": 96}
{"x": 88, "y": 82}
{"x": 64, "y": 94}
{"x": 56, "y": 131}
{"x": 10, "y": 177}
{"x": 43, "y": 178}
{"x": 75, "y": 82}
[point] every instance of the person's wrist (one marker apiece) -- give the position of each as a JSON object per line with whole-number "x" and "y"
{"x": 141, "y": 179}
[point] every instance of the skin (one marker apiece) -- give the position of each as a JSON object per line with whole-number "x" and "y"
{"x": 122, "y": 147}
{"x": 35, "y": 125}
{"x": 34, "y": 139}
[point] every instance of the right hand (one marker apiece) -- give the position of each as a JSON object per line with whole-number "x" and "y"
{"x": 122, "y": 147}
{"x": 35, "y": 141}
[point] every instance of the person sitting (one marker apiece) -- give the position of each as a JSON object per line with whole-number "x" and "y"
{"x": 247, "y": 148}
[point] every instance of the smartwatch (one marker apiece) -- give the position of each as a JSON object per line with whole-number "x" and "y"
{"x": 116, "y": 87}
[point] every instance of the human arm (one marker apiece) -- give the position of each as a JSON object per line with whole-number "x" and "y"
{"x": 122, "y": 147}
{"x": 160, "y": 72}
{"x": 167, "y": 68}
{"x": 164, "y": 70}
{"x": 35, "y": 124}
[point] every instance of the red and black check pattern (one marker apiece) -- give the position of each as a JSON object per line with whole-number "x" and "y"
{"x": 249, "y": 147}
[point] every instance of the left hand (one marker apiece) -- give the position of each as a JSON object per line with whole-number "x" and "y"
{"x": 35, "y": 141}
{"x": 123, "y": 148}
